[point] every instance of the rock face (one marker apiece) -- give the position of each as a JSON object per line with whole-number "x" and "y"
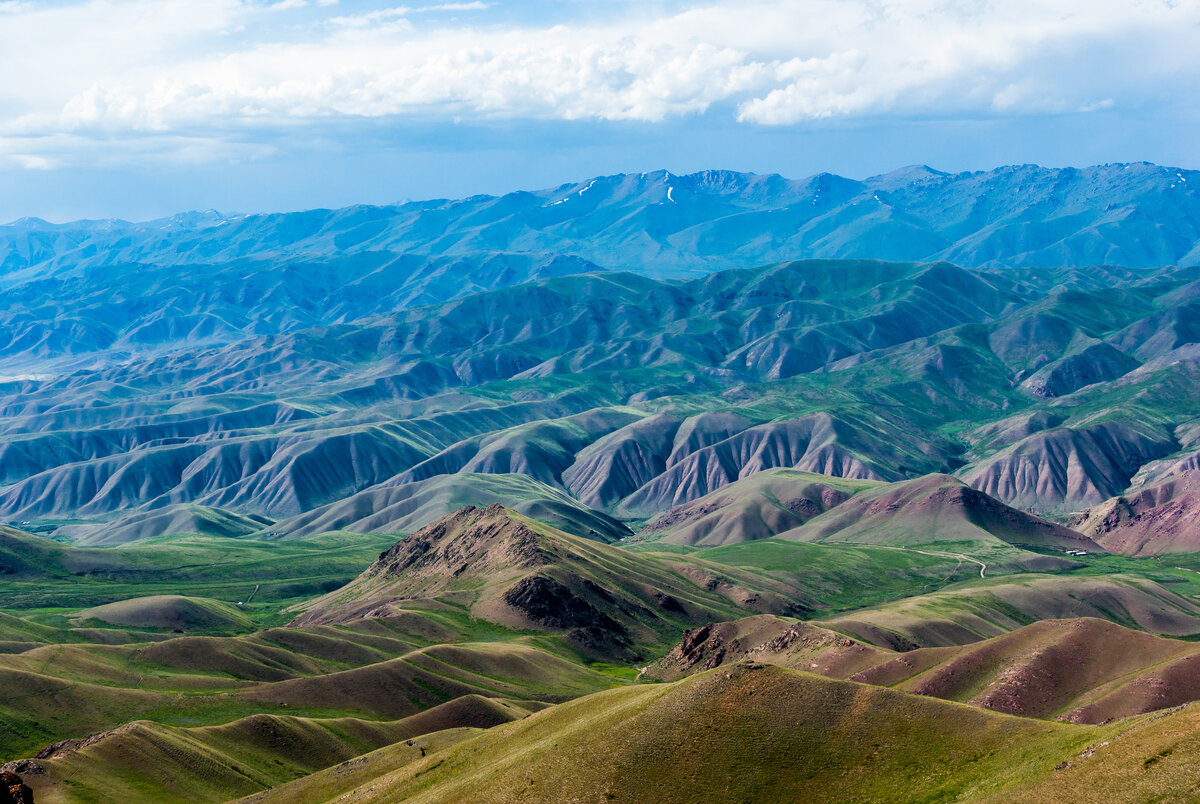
{"x": 765, "y": 638}
{"x": 480, "y": 541}
{"x": 547, "y": 602}
{"x": 13, "y": 790}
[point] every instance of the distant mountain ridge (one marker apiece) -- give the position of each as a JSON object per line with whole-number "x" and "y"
{"x": 1135, "y": 215}
{"x": 94, "y": 286}
{"x": 601, "y": 351}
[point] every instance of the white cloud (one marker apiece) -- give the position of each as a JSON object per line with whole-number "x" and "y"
{"x": 30, "y": 161}
{"x": 111, "y": 68}
{"x": 475, "y": 6}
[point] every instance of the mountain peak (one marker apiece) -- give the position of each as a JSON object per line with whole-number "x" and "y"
{"x": 472, "y": 539}
{"x": 513, "y": 571}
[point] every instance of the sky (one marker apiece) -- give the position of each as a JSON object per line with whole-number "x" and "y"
{"x": 142, "y": 108}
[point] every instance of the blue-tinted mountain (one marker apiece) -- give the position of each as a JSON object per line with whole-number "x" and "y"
{"x": 1136, "y": 215}
{"x": 613, "y": 395}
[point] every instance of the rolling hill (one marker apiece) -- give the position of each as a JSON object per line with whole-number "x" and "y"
{"x": 839, "y": 741}
{"x": 962, "y": 616}
{"x": 517, "y": 572}
{"x": 1157, "y": 519}
{"x": 216, "y": 763}
{"x": 170, "y": 613}
{"x": 1077, "y": 670}
{"x": 930, "y": 510}
{"x": 761, "y": 506}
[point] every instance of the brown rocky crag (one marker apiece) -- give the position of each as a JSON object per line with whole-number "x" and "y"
{"x": 13, "y": 790}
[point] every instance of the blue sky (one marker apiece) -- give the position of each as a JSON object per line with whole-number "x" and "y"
{"x": 139, "y": 108}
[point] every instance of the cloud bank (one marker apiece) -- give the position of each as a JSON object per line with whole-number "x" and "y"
{"x": 200, "y": 79}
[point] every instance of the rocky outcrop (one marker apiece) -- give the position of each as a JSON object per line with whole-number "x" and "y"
{"x": 13, "y": 790}
{"x": 472, "y": 538}
{"x": 765, "y": 638}
{"x": 548, "y": 602}
{"x": 510, "y": 570}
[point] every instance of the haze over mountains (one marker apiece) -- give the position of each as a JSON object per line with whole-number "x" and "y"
{"x": 358, "y": 486}
{"x": 95, "y": 285}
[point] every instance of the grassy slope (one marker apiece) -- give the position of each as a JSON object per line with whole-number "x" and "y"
{"x": 225, "y": 569}
{"x": 839, "y": 577}
{"x": 376, "y": 669}
{"x": 989, "y": 608}
{"x": 391, "y": 668}
{"x": 765, "y": 734}
{"x": 1079, "y": 670}
{"x": 752, "y": 733}
{"x": 154, "y": 763}
{"x": 331, "y": 782}
{"x": 170, "y": 612}
{"x": 1153, "y": 758}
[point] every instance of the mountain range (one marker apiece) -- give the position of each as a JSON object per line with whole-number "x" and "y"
{"x": 647, "y": 487}
{"x": 87, "y": 286}
{"x": 608, "y": 396}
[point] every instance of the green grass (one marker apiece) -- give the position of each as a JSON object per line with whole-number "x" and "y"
{"x": 1179, "y": 572}
{"x": 749, "y": 735}
{"x": 623, "y": 672}
{"x": 199, "y": 566}
{"x": 373, "y": 670}
{"x": 843, "y": 577}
